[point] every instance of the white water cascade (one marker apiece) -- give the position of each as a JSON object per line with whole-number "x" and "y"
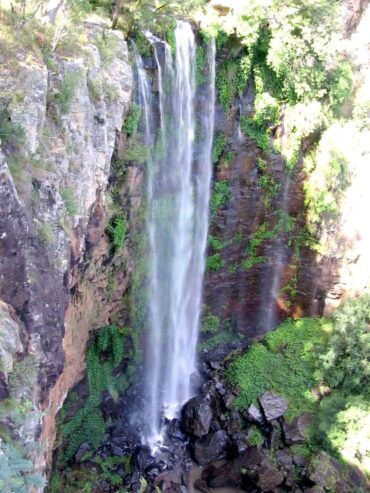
{"x": 179, "y": 172}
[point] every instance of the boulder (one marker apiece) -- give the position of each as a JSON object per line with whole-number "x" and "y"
{"x": 240, "y": 442}
{"x": 254, "y": 414}
{"x": 284, "y": 459}
{"x": 296, "y": 431}
{"x": 273, "y": 405}
{"x": 197, "y": 416}
{"x": 326, "y": 471}
{"x": 269, "y": 478}
{"x": 210, "y": 448}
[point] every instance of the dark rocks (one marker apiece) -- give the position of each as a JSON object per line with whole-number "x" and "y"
{"x": 296, "y": 431}
{"x": 254, "y": 414}
{"x": 197, "y": 416}
{"x": 269, "y": 478}
{"x": 212, "y": 447}
{"x": 142, "y": 458}
{"x": 174, "y": 430}
{"x": 82, "y": 450}
{"x": 326, "y": 472}
{"x": 284, "y": 459}
{"x": 274, "y": 405}
{"x": 240, "y": 442}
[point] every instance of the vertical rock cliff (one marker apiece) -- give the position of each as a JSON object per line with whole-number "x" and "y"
{"x": 61, "y": 117}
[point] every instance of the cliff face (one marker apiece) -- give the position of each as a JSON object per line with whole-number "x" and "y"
{"x": 68, "y": 110}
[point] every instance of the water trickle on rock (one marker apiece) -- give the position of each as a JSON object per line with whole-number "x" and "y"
{"x": 179, "y": 171}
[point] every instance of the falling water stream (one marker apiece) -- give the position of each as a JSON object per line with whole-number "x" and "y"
{"x": 179, "y": 171}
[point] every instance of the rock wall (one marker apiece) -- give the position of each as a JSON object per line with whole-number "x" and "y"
{"x": 53, "y": 209}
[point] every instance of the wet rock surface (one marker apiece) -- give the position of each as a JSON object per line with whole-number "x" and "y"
{"x": 197, "y": 416}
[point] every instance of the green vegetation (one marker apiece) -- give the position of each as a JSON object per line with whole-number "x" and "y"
{"x": 313, "y": 354}
{"x": 224, "y": 337}
{"x": 132, "y": 119}
{"x": 103, "y": 357}
{"x": 10, "y": 134}
{"x": 220, "y": 195}
{"x": 255, "y": 437}
{"x": 200, "y": 64}
{"x": 117, "y": 231}
{"x": 283, "y": 225}
{"x": 231, "y": 79}
{"x": 69, "y": 200}
{"x": 210, "y": 324}
{"x": 328, "y": 177}
{"x": 260, "y": 134}
{"x": 135, "y": 153}
{"x": 214, "y": 262}
{"x": 68, "y": 90}
{"x": 219, "y": 145}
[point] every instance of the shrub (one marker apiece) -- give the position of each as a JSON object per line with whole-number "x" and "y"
{"x": 117, "y": 231}
{"x": 220, "y": 195}
{"x": 214, "y": 262}
{"x": 102, "y": 358}
{"x": 210, "y": 324}
{"x": 255, "y": 437}
{"x": 68, "y": 90}
{"x": 219, "y": 144}
{"x": 132, "y": 119}
{"x": 254, "y": 131}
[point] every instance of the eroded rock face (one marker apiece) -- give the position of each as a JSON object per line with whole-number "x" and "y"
{"x": 53, "y": 212}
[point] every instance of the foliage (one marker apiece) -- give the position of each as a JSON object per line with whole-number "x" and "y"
{"x": 117, "y": 231}
{"x": 270, "y": 188}
{"x": 132, "y": 119}
{"x": 200, "y": 64}
{"x": 103, "y": 357}
{"x": 285, "y": 362}
{"x": 210, "y": 324}
{"x": 231, "y": 79}
{"x": 23, "y": 378}
{"x": 220, "y": 195}
{"x": 214, "y": 243}
{"x": 136, "y": 153}
{"x": 67, "y": 90}
{"x": 265, "y": 231}
{"x": 331, "y": 355}
{"x": 219, "y": 144}
{"x": 224, "y": 337}
{"x": 346, "y": 362}
{"x": 214, "y": 262}
{"x": 259, "y": 134}
{"x": 169, "y": 36}
{"x": 328, "y": 176}
{"x": 10, "y": 133}
{"x": 255, "y": 436}
{"x": 17, "y": 469}
{"x": 342, "y": 426}
{"x": 69, "y": 200}
{"x": 155, "y": 15}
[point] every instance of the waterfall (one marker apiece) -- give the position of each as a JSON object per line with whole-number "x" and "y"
{"x": 179, "y": 172}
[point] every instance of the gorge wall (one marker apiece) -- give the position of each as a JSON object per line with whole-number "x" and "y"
{"x": 62, "y": 185}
